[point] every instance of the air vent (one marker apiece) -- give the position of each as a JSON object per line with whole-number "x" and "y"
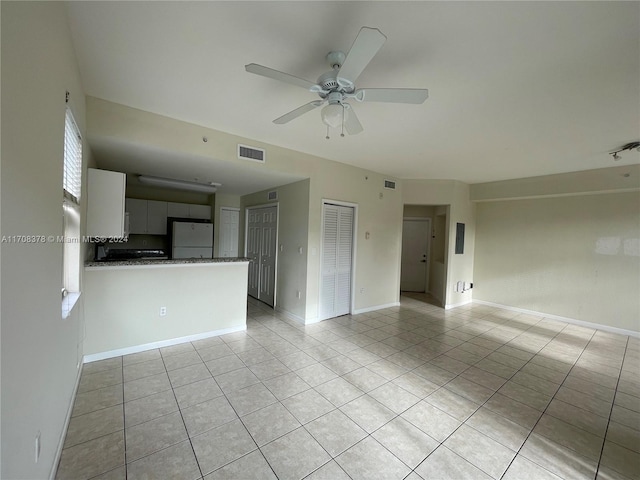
{"x": 252, "y": 153}
{"x": 273, "y": 195}
{"x": 389, "y": 184}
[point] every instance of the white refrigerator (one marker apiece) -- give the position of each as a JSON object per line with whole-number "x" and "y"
{"x": 192, "y": 240}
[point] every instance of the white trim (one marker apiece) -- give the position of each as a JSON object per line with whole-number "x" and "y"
{"x": 376, "y": 307}
{"x": 290, "y": 316}
{"x": 162, "y": 343}
{"x": 574, "y": 321}
{"x": 63, "y": 435}
{"x": 455, "y": 305}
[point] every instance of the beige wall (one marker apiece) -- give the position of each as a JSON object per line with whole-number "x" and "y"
{"x": 576, "y": 257}
{"x": 123, "y": 303}
{"x": 603, "y": 180}
{"x": 167, "y": 195}
{"x": 293, "y": 233}
{"x": 456, "y": 196}
{"x": 419, "y": 211}
{"x": 40, "y": 351}
{"x": 377, "y": 259}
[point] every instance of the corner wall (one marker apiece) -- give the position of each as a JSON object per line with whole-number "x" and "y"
{"x": 293, "y": 232}
{"x": 576, "y": 257}
{"x": 41, "y": 353}
{"x": 455, "y": 194}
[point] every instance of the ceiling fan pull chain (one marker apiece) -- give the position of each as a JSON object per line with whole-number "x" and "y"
{"x": 343, "y": 113}
{"x": 327, "y": 137}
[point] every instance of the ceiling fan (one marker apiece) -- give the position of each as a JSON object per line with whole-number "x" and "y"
{"x": 337, "y": 86}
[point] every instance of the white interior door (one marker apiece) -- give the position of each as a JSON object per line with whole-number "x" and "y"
{"x": 229, "y": 227}
{"x": 253, "y": 251}
{"x": 337, "y": 260}
{"x": 262, "y": 237}
{"x": 266, "y": 291}
{"x": 415, "y": 254}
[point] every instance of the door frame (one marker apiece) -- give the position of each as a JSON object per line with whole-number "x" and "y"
{"x": 428, "y": 220}
{"x": 340, "y": 203}
{"x": 277, "y": 245}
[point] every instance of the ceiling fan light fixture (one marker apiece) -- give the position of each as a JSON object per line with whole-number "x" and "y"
{"x": 333, "y": 115}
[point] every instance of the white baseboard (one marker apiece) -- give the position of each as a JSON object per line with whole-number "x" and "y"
{"x": 574, "y": 321}
{"x": 290, "y": 316}
{"x": 163, "y": 343}
{"x": 375, "y": 307}
{"x": 454, "y": 305}
{"x": 56, "y": 459}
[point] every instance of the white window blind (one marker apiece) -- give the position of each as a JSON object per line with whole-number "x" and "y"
{"x": 72, "y": 176}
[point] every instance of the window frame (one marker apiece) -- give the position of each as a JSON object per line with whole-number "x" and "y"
{"x": 71, "y": 215}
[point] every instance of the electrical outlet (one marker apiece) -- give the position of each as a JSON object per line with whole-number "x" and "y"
{"x": 362, "y": 290}
{"x": 163, "y": 311}
{"x": 37, "y": 447}
{"x": 297, "y": 293}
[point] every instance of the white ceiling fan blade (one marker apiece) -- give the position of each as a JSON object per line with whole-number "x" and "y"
{"x": 352, "y": 125}
{"x": 366, "y": 45}
{"x": 283, "y": 77}
{"x": 287, "y": 117}
{"x": 394, "y": 95}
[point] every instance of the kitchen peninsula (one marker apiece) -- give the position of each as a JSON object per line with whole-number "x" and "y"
{"x": 136, "y": 305}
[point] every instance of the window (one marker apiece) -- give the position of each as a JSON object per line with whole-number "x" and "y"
{"x": 71, "y": 186}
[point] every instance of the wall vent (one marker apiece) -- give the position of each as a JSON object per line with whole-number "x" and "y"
{"x": 252, "y": 153}
{"x": 389, "y": 184}
{"x": 273, "y": 195}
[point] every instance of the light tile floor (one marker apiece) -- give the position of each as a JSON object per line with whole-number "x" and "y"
{"x": 407, "y": 392}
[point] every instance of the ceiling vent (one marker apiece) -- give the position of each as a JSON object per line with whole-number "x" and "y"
{"x": 251, "y": 153}
{"x": 389, "y": 184}
{"x": 272, "y": 195}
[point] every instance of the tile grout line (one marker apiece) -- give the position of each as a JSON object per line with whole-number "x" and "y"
{"x": 545, "y": 409}
{"x": 613, "y": 402}
{"x": 180, "y": 411}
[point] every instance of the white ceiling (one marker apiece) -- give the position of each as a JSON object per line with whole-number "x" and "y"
{"x": 517, "y": 89}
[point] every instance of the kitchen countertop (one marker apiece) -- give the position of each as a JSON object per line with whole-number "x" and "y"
{"x": 157, "y": 262}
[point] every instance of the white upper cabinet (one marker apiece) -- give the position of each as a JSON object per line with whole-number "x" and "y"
{"x": 156, "y": 217}
{"x": 150, "y": 216}
{"x": 137, "y": 210}
{"x": 105, "y": 204}
{"x": 200, "y": 211}
{"x": 188, "y": 210}
{"x": 178, "y": 210}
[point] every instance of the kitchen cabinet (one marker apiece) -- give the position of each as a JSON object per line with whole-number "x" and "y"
{"x": 106, "y": 204}
{"x": 188, "y": 210}
{"x": 147, "y": 216}
{"x": 137, "y": 210}
{"x": 177, "y": 210}
{"x": 156, "y": 217}
{"x": 200, "y": 211}
{"x": 150, "y": 216}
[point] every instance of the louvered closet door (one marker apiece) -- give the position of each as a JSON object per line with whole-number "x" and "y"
{"x": 337, "y": 252}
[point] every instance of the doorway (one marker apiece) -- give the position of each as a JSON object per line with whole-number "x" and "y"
{"x": 415, "y": 234}
{"x": 261, "y": 249}
{"x": 336, "y": 263}
{"x": 414, "y": 271}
